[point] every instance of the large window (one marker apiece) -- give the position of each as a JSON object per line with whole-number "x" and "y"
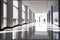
{"x": 23, "y": 13}
{"x": 15, "y": 12}
{"x": 4, "y": 13}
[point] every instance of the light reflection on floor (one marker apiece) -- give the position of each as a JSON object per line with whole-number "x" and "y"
{"x": 41, "y": 26}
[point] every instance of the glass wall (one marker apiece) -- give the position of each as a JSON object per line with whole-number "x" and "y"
{"x": 15, "y": 12}
{"x": 4, "y": 13}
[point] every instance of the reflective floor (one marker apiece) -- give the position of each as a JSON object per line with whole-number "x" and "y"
{"x": 32, "y": 31}
{"x": 41, "y": 26}
{"x": 46, "y": 32}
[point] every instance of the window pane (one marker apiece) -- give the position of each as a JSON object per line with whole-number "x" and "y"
{"x": 15, "y": 13}
{"x": 4, "y": 14}
{"x": 15, "y": 16}
{"x": 15, "y": 3}
{"x": 23, "y": 17}
{"x": 4, "y": 10}
{"x": 23, "y": 13}
{"x": 23, "y": 7}
{"x": 55, "y": 18}
{"x": 4, "y": 24}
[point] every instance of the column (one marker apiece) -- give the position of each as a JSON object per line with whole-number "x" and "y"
{"x": 59, "y": 15}
{"x": 30, "y": 16}
{"x": 33, "y": 17}
{"x": 48, "y": 16}
{"x": 51, "y": 14}
{"x": 9, "y": 13}
{"x": 59, "y": 11}
{"x": 26, "y": 14}
{"x": 48, "y": 19}
{"x": 20, "y": 12}
{"x": 1, "y": 13}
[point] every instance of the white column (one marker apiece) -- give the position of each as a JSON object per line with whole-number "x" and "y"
{"x": 9, "y": 13}
{"x": 20, "y": 12}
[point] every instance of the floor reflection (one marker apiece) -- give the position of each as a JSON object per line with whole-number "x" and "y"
{"x": 41, "y": 33}
{"x": 41, "y": 26}
{"x": 56, "y": 35}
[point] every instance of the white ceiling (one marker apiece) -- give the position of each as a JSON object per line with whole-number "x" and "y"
{"x": 39, "y": 6}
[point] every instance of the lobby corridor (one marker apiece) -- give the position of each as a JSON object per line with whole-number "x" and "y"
{"x": 29, "y": 19}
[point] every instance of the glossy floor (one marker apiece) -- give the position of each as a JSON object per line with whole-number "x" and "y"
{"x": 42, "y": 32}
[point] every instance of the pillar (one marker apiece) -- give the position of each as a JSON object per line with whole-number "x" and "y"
{"x": 48, "y": 16}
{"x": 9, "y": 13}
{"x": 30, "y": 15}
{"x": 51, "y": 14}
{"x": 20, "y": 12}
{"x": 1, "y": 13}
{"x": 59, "y": 15}
{"x": 33, "y": 17}
{"x": 59, "y": 11}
